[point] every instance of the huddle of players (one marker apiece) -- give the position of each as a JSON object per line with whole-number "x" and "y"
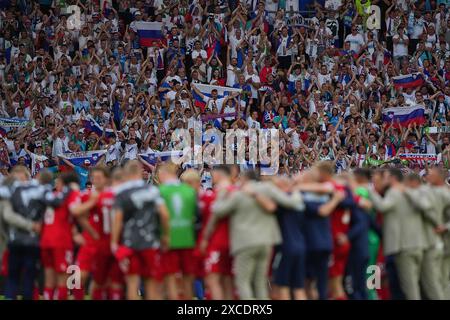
{"x": 130, "y": 233}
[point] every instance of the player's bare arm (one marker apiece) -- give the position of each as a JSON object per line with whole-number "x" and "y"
{"x": 164, "y": 217}
{"x": 117, "y": 225}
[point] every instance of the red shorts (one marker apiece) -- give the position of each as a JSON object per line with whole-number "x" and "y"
{"x": 338, "y": 259}
{"x": 106, "y": 267}
{"x": 179, "y": 261}
{"x": 4, "y": 266}
{"x": 101, "y": 263}
{"x": 57, "y": 259}
{"x": 85, "y": 258}
{"x": 146, "y": 263}
{"x": 218, "y": 261}
{"x": 198, "y": 260}
{"x": 115, "y": 274}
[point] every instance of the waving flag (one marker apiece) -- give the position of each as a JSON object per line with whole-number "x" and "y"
{"x": 437, "y": 129}
{"x": 403, "y": 116}
{"x": 149, "y": 33}
{"x": 387, "y": 57}
{"x": 78, "y": 158}
{"x": 152, "y": 157}
{"x": 419, "y": 158}
{"x": 208, "y": 117}
{"x": 206, "y": 89}
{"x": 90, "y": 125}
{"x": 13, "y": 123}
{"x": 412, "y": 80}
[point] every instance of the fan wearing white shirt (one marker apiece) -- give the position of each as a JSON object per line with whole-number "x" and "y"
{"x": 131, "y": 149}
{"x": 60, "y": 143}
{"x": 323, "y": 76}
{"x": 400, "y": 42}
{"x": 252, "y": 121}
{"x": 230, "y": 106}
{"x": 253, "y": 80}
{"x": 232, "y": 70}
{"x": 198, "y": 51}
{"x": 355, "y": 39}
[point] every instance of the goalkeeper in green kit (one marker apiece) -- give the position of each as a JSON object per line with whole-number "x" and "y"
{"x": 362, "y": 179}
{"x": 181, "y": 200}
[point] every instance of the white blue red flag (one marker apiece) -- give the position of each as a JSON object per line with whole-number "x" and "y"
{"x": 78, "y": 158}
{"x": 90, "y": 125}
{"x": 206, "y": 90}
{"x": 149, "y": 33}
{"x": 404, "y": 116}
{"x": 412, "y": 80}
{"x": 152, "y": 157}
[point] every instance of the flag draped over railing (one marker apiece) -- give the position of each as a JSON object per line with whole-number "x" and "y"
{"x": 152, "y": 157}
{"x": 78, "y": 158}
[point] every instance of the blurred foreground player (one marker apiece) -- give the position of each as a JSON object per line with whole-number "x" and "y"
{"x": 95, "y": 255}
{"x": 140, "y": 228}
{"x": 27, "y": 200}
{"x": 214, "y": 239}
{"x": 181, "y": 201}
{"x": 56, "y": 240}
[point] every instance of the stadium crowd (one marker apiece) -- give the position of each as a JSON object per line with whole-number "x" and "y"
{"x": 362, "y": 110}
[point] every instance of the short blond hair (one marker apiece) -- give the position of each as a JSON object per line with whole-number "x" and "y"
{"x": 190, "y": 175}
{"x": 19, "y": 169}
{"x": 326, "y": 166}
{"x": 117, "y": 174}
{"x": 168, "y": 167}
{"x": 132, "y": 168}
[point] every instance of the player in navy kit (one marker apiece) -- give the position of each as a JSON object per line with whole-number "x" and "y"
{"x": 290, "y": 258}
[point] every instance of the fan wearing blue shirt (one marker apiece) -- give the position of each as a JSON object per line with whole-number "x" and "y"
{"x": 81, "y": 171}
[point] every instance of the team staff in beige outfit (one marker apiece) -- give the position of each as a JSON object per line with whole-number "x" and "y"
{"x": 254, "y": 231}
{"x": 402, "y": 233}
{"x": 440, "y": 195}
{"x": 424, "y": 198}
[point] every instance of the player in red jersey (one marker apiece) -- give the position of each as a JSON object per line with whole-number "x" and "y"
{"x": 214, "y": 240}
{"x": 56, "y": 241}
{"x": 94, "y": 255}
{"x": 115, "y": 282}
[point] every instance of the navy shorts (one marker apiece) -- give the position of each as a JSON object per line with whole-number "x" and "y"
{"x": 290, "y": 271}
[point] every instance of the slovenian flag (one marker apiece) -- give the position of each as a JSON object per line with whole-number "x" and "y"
{"x": 78, "y": 158}
{"x": 403, "y": 116}
{"x": 90, "y": 125}
{"x": 213, "y": 47}
{"x": 419, "y": 158}
{"x": 412, "y": 80}
{"x": 387, "y": 57}
{"x": 152, "y": 157}
{"x": 206, "y": 89}
{"x": 149, "y": 33}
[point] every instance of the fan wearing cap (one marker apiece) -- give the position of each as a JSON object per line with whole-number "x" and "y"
{"x": 81, "y": 171}
{"x": 137, "y": 17}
